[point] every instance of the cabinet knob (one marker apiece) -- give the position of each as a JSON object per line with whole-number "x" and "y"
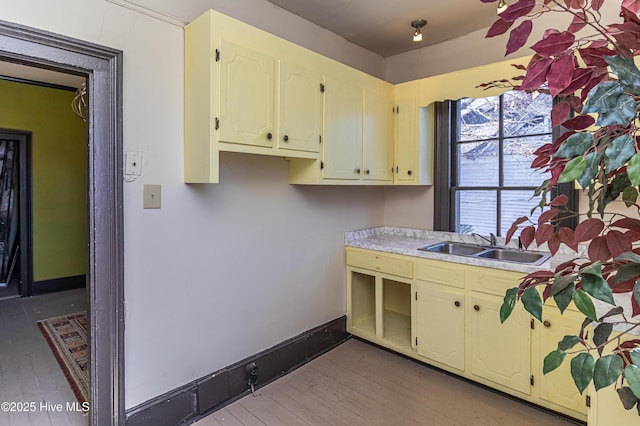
{"x": 366, "y": 172}
{"x": 409, "y": 172}
{"x": 286, "y": 138}
{"x": 269, "y": 136}
{"x": 357, "y": 171}
{"x": 476, "y": 307}
{"x": 547, "y": 324}
{"x": 457, "y": 303}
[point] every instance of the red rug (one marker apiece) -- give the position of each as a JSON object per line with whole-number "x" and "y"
{"x": 67, "y": 338}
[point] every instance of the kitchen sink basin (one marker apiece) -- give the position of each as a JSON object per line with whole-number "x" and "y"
{"x": 450, "y": 247}
{"x": 516, "y": 256}
{"x": 490, "y": 253}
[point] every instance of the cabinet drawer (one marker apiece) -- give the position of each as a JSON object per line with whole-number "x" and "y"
{"x": 376, "y": 261}
{"x": 494, "y": 281}
{"x": 440, "y": 272}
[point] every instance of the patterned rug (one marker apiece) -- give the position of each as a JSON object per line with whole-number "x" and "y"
{"x": 67, "y": 337}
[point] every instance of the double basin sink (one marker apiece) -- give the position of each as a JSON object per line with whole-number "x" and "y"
{"x": 488, "y": 252}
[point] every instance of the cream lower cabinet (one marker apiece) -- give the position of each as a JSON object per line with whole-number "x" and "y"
{"x": 447, "y": 314}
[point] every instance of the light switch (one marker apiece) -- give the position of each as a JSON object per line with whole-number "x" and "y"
{"x": 151, "y": 197}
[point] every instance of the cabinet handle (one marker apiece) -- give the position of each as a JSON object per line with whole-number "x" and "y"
{"x": 269, "y": 136}
{"x": 357, "y": 171}
{"x": 457, "y": 303}
{"x": 476, "y": 307}
{"x": 286, "y": 138}
{"x": 547, "y": 324}
{"x": 409, "y": 172}
{"x": 366, "y": 172}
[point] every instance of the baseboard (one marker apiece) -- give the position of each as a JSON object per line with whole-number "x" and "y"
{"x": 58, "y": 284}
{"x": 197, "y": 399}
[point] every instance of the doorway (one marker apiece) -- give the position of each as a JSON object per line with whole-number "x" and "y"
{"x": 102, "y": 67}
{"x": 15, "y": 214}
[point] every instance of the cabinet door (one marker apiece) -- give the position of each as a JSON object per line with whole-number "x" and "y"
{"x": 500, "y": 352}
{"x": 558, "y": 386}
{"x": 246, "y": 95}
{"x": 378, "y": 137}
{"x": 342, "y": 124}
{"x": 440, "y": 325}
{"x": 406, "y": 139}
{"x": 300, "y": 108}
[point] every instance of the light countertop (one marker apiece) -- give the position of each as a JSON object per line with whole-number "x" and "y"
{"x": 407, "y": 241}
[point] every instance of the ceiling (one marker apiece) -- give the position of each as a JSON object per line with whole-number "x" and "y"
{"x": 384, "y": 26}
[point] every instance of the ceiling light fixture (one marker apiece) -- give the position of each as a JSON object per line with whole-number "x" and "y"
{"x": 417, "y": 24}
{"x": 502, "y": 6}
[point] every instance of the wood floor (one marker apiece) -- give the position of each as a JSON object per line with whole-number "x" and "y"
{"x": 28, "y": 370}
{"x": 359, "y": 384}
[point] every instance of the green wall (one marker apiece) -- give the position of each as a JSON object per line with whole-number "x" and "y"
{"x": 58, "y": 175}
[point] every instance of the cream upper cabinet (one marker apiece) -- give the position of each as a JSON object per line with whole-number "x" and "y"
{"x": 342, "y": 143}
{"x": 440, "y": 324}
{"x": 246, "y": 95}
{"x": 300, "y": 108}
{"x": 377, "y": 149}
{"x": 414, "y": 136}
{"x": 406, "y": 137}
{"x": 557, "y": 386}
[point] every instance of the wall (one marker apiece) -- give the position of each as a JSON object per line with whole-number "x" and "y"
{"x": 223, "y": 271}
{"x": 58, "y": 175}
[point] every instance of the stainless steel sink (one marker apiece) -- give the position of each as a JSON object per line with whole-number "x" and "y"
{"x": 450, "y": 247}
{"x": 490, "y": 253}
{"x": 517, "y": 256}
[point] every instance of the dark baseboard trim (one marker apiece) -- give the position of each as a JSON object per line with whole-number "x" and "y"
{"x": 58, "y": 284}
{"x": 200, "y": 398}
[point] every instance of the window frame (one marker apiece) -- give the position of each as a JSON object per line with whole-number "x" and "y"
{"x": 445, "y": 172}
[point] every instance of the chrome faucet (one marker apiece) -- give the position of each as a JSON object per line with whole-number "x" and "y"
{"x": 492, "y": 240}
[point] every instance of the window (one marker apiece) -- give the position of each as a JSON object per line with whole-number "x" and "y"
{"x": 484, "y": 151}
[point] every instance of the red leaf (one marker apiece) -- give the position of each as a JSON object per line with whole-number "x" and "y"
{"x": 527, "y": 235}
{"x": 519, "y": 67}
{"x": 544, "y": 234}
{"x": 561, "y": 139}
{"x": 499, "y": 27}
{"x": 540, "y": 274}
{"x": 588, "y": 230}
{"x": 547, "y": 216}
{"x": 567, "y": 236}
{"x": 540, "y": 162}
{"x": 618, "y": 243}
{"x": 568, "y": 265}
{"x": 560, "y": 73}
{"x": 554, "y": 244}
{"x": 514, "y": 227}
{"x": 578, "y": 23}
{"x": 594, "y": 56}
{"x": 598, "y": 76}
{"x": 546, "y": 294}
{"x": 579, "y": 123}
{"x": 536, "y": 74}
{"x": 581, "y": 76}
{"x": 518, "y": 10}
{"x": 598, "y": 249}
{"x": 627, "y": 223}
{"x": 559, "y": 113}
{"x": 631, "y": 5}
{"x": 519, "y": 35}
{"x": 559, "y": 200}
{"x": 623, "y": 287}
{"x": 596, "y": 4}
{"x": 544, "y": 149}
{"x": 554, "y": 44}
{"x": 556, "y": 172}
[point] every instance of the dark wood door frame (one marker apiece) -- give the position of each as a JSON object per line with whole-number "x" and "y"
{"x": 102, "y": 68}
{"x": 23, "y": 138}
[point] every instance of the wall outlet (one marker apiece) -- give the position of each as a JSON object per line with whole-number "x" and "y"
{"x": 151, "y": 197}
{"x": 133, "y": 164}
